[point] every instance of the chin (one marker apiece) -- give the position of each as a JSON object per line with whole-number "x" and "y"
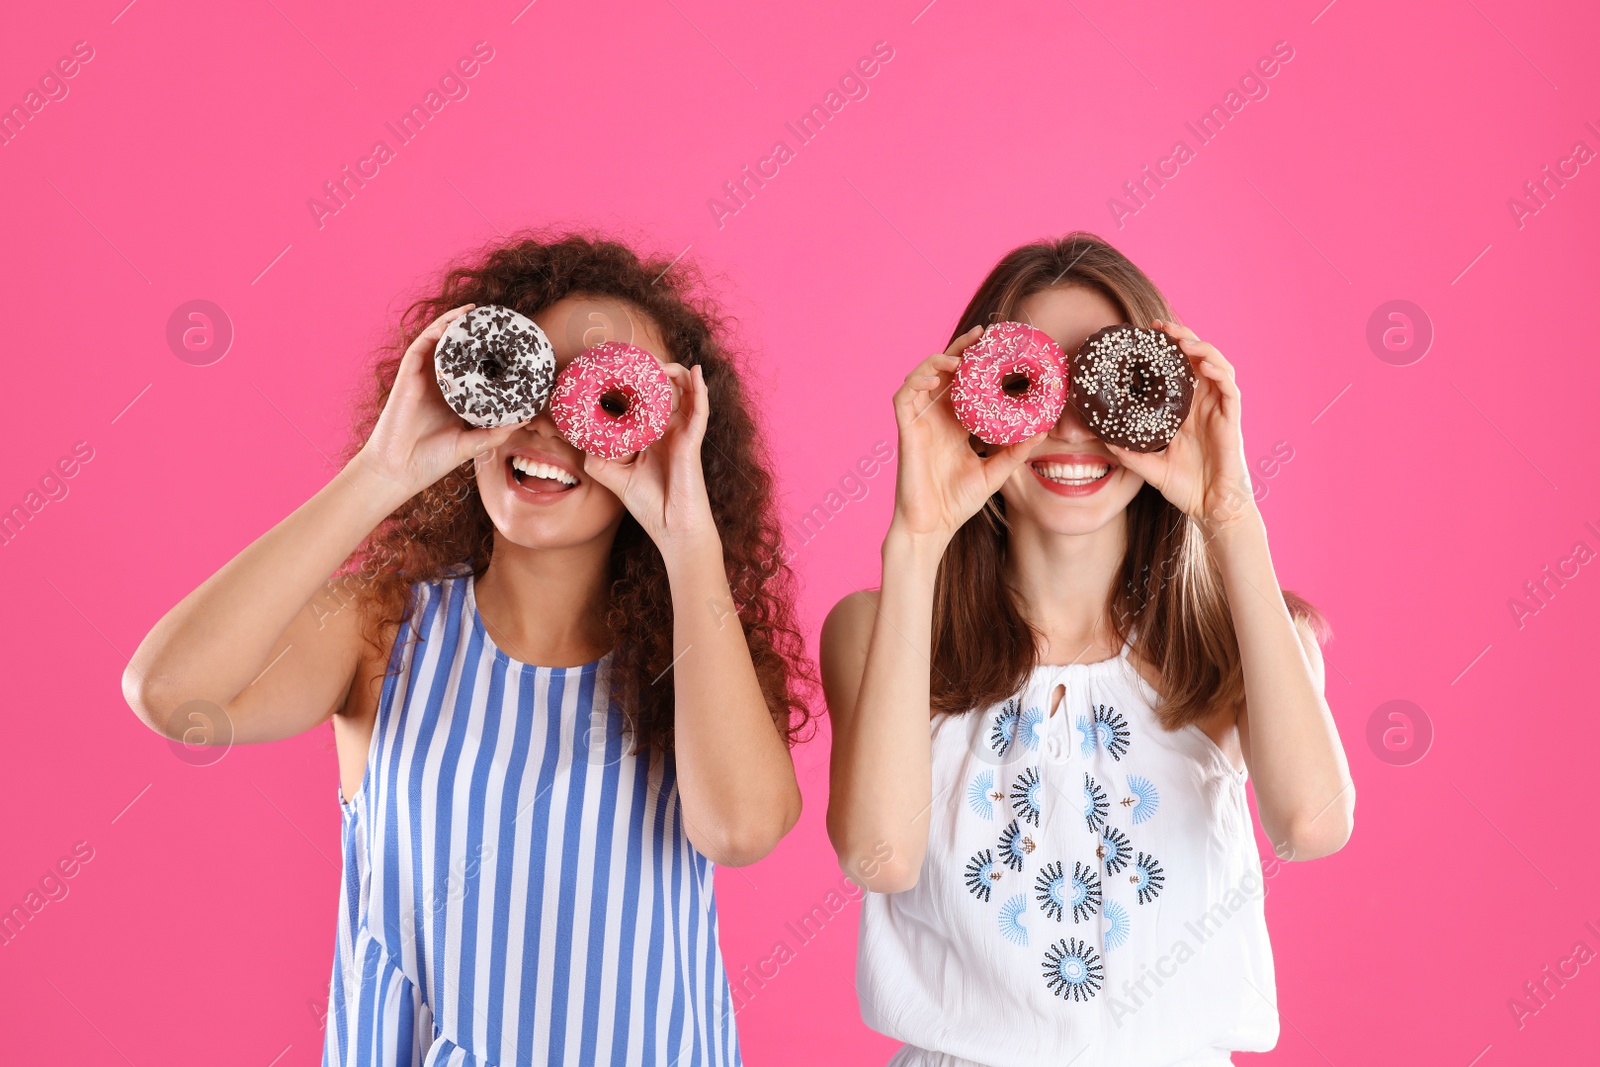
{"x": 550, "y": 532}
{"x": 546, "y": 513}
{"x": 1073, "y": 521}
{"x": 1082, "y": 510}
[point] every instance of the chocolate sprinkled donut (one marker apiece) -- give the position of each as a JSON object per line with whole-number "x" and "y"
{"x": 494, "y": 366}
{"x": 1133, "y": 387}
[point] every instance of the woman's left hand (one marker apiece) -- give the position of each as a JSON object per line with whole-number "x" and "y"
{"x": 664, "y": 486}
{"x": 1202, "y": 470}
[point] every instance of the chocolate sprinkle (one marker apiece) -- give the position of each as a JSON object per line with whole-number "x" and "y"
{"x": 1133, "y": 387}
{"x": 495, "y": 366}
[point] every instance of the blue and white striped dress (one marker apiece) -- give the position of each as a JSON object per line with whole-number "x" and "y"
{"x": 518, "y": 887}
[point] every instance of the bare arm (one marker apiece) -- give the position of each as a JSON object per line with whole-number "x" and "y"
{"x": 876, "y": 675}
{"x": 1304, "y": 794}
{"x": 1291, "y": 745}
{"x": 254, "y": 621}
{"x": 735, "y": 775}
{"x": 736, "y": 780}
{"x": 256, "y": 639}
{"x": 876, "y": 650}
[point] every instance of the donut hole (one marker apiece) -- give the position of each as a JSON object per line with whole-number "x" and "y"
{"x": 1015, "y": 384}
{"x": 1141, "y": 383}
{"x": 491, "y": 368}
{"x": 614, "y": 402}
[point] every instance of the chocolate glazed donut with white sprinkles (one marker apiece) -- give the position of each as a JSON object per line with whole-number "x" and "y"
{"x": 495, "y": 366}
{"x": 1133, "y": 387}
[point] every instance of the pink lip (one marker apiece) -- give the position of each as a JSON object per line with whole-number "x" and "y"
{"x": 1074, "y": 457}
{"x": 533, "y": 496}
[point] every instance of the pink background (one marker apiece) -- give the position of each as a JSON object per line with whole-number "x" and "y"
{"x": 1414, "y": 507}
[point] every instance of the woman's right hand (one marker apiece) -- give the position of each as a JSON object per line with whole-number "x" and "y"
{"x": 942, "y": 482}
{"x": 418, "y": 439}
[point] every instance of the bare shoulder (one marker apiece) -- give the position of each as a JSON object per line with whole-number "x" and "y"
{"x": 850, "y": 619}
{"x": 845, "y": 635}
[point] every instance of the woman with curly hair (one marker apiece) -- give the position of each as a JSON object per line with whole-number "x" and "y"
{"x": 562, "y": 688}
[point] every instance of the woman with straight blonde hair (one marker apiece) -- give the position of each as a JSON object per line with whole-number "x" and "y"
{"x": 1044, "y": 719}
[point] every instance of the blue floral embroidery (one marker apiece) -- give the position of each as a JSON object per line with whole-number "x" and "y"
{"x": 982, "y": 874}
{"x": 1025, "y": 796}
{"x": 1106, "y": 728}
{"x": 1084, "y": 893}
{"x": 1095, "y": 804}
{"x": 1051, "y": 889}
{"x": 1148, "y": 878}
{"x": 1073, "y": 970}
{"x": 1117, "y": 926}
{"x": 1004, "y": 730}
{"x": 1145, "y": 799}
{"x": 1014, "y": 845}
{"x": 1114, "y": 849}
{"x": 980, "y": 796}
{"x": 1031, "y": 726}
{"x": 1011, "y": 913}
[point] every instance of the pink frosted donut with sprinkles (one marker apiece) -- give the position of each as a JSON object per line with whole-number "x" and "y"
{"x": 1010, "y": 384}
{"x": 612, "y": 400}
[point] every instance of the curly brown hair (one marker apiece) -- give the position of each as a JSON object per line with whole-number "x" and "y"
{"x": 446, "y": 530}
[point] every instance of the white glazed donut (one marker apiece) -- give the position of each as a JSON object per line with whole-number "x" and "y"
{"x": 495, "y": 366}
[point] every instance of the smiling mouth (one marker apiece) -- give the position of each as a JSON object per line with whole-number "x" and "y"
{"x": 1073, "y": 474}
{"x": 539, "y": 477}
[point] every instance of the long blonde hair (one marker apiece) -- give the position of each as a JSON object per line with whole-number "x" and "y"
{"x": 1168, "y": 598}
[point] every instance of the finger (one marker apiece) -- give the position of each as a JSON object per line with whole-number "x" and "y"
{"x": 480, "y": 443}
{"x": 1211, "y": 365}
{"x": 932, "y": 399}
{"x": 692, "y": 407}
{"x": 450, "y": 316}
{"x": 420, "y": 350}
{"x": 1147, "y": 465}
{"x": 682, "y": 385}
{"x": 934, "y": 365}
{"x": 700, "y": 403}
{"x": 932, "y": 375}
{"x": 1197, "y": 349}
{"x": 922, "y": 380}
{"x": 1002, "y": 464}
{"x": 610, "y": 473}
{"x": 437, "y": 327}
{"x": 415, "y": 376}
{"x": 960, "y": 344}
{"x": 1175, "y": 330}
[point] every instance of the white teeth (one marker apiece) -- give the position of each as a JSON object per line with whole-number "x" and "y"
{"x": 530, "y": 469}
{"x": 1073, "y": 473}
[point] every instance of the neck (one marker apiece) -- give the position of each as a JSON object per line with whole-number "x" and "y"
{"x": 547, "y": 606}
{"x": 1064, "y": 582}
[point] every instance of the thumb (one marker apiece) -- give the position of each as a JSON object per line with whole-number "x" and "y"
{"x": 1147, "y": 465}
{"x": 1000, "y": 466}
{"x": 478, "y": 443}
{"x": 608, "y": 472}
